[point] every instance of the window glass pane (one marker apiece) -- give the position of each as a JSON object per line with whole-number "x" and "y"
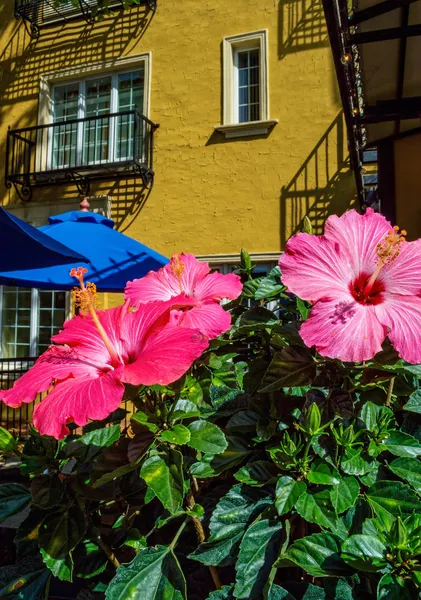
{"x": 16, "y": 322}
{"x": 64, "y": 137}
{"x": 248, "y": 62}
{"x": 52, "y": 314}
{"x": 96, "y": 132}
{"x": 130, "y": 97}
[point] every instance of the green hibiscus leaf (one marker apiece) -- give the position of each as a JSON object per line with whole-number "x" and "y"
{"x": 24, "y": 585}
{"x": 276, "y": 592}
{"x": 62, "y": 568}
{"x": 164, "y": 475}
{"x": 184, "y": 409}
{"x": 258, "y": 551}
{"x": 61, "y": 531}
{"x": 103, "y": 437}
{"x": 353, "y": 463}
{"x": 211, "y": 465}
{"x": 225, "y": 593}
{"x": 393, "y": 587}
{"x": 414, "y": 402}
{"x": 207, "y": 437}
{"x": 154, "y": 574}
{"x": 258, "y": 473}
{"x": 7, "y": 441}
{"x": 392, "y": 498}
{"x": 228, "y": 523}
{"x": 178, "y": 434}
{"x": 13, "y": 498}
{"x": 376, "y": 417}
{"x": 408, "y": 469}
{"x": 317, "y": 508}
{"x": 402, "y": 444}
{"x": 318, "y": 555}
{"x": 322, "y": 473}
{"x": 47, "y": 491}
{"x": 344, "y": 495}
{"x": 364, "y": 553}
{"x": 288, "y": 491}
{"x": 289, "y": 367}
{"x": 89, "y": 560}
{"x": 144, "y": 419}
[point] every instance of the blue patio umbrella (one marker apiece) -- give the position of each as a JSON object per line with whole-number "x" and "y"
{"x": 23, "y": 246}
{"x": 114, "y": 258}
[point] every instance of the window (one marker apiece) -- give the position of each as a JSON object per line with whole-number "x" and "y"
{"x": 28, "y": 320}
{"x": 246, "y": 85}
{"x": 100, "y": 138}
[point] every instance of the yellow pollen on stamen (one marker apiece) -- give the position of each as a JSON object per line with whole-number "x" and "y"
{"x": 387, "y": 251}
{"x": 86, "y": 298}
{"x": 177, "y": 268}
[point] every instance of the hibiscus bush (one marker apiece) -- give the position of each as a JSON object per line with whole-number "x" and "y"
{"x": 273, "y": 449}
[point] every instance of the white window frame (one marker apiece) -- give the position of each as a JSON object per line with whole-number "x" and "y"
{"x": 82, "y": 73}
{"x": 230, "y": 47}
{"x": 34, "y": 322}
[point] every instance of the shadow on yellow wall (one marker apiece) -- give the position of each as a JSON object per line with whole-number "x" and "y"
{"x": 24, "y": 59}
{"x": 323, "y": 185}
{"x": 302, "y": 26}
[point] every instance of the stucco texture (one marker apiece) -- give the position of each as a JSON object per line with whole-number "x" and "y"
{"x": 211, "y": 195}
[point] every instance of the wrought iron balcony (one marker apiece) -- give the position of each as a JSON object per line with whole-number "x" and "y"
{"x": 79, "y": 151}
{"x": 37, "y": 14}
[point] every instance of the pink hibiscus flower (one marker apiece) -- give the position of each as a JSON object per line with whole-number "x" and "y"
{"x": 97, "y": 354}
{"x": 186, "y": 275}
{"x": 364, "y": 280}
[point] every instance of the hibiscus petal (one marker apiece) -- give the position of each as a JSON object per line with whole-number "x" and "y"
{"x": 82, "y": 334}
{"x": 216, "y": 287}
{"x": 78, "y": 401}
{"x": 164, "y": 284}
{"x": 57, "y": 363}
{"x": 403, "y": 275}
{"x": 340, "y": 328}
{"x": 402, "y": 314}
{"x": 210, "y": 319}
{"x": 313, "y": 267}
{"x": 166, "y": 356}
{"x": 358, "y": 236}
{"x": 144, "y": 321}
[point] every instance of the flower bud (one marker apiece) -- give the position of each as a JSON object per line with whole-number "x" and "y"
{"x": 398, "y": 533}
{"x": 312, "y": 419}
{"x": 245, "y": 260}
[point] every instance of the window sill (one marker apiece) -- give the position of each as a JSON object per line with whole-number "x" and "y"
{"x": 246, "y": 129}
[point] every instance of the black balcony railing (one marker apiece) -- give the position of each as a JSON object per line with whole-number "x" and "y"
{"x": 79, "y": 151}
{"x": 37, "y": 14}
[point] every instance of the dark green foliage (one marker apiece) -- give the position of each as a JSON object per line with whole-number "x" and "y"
{"x": 294, "y": 476}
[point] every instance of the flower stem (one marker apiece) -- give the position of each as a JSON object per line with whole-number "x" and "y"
{"x": 107, "y": 550}
{"x": 177, "y": 535}
{"x": 200, "y": 532}
{"x": 390, "y": 391}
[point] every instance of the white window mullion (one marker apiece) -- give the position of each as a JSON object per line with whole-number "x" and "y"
{"x": 34, "y": 323}
{"x": 113, "y": 122}
{"x": 80, "y": 115}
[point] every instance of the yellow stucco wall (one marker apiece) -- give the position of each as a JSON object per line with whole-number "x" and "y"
{"x": 407, "y": 153}
{"x": 211, "y": 195}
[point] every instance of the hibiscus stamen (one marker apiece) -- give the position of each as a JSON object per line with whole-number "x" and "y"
{"x": 387, "y": 251}
{"x": 86, "y": 298}
{"x": 177, "y": 269}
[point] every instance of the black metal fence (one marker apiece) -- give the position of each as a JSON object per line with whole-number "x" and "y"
{"x": 16, "y": 420}
{"x": 95, "y": 148}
